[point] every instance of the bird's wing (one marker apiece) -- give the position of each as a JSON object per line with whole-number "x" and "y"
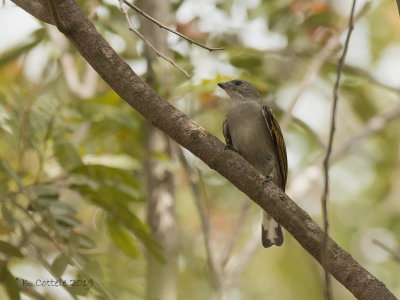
{"x": 279, "y": 143}
{"x": 225, "y": 131}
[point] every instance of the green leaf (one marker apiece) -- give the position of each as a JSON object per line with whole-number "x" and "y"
{"x": 77, "y": 240}
{"x": 85, "y": 242}
{"x": 66, "y": 155}
{"x": 105, "y": 174}
{"x": 44, "y": 191}
{"x": 7, "y": 216}
{"x": 67, "y": 220}
{"x": 59, "y": 265}
{"x": 77, "y": 289}
{"x": 11, "y": 172}
{"x": 20, "y": 50}
{"x": 40, "y": 232}
{"x": 10, "y": 283}
{"x": 9, "y": 249}
{"x": 122, "y": 239}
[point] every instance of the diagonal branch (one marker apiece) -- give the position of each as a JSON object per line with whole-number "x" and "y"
{"x": 212, "y": 151}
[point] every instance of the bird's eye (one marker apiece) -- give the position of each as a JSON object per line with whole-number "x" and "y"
{"x": 238, "y": 82}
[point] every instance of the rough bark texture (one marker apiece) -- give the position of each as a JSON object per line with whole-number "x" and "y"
{"x": 208, "y": 148}
{"x": 161, "y": 277}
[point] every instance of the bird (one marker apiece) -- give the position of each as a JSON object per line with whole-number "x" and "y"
{"x": 251, "y": 129}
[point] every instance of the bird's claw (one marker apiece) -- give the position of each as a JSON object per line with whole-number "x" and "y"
{"x": 230, "y": 147}
{"x": 267, "y": 179}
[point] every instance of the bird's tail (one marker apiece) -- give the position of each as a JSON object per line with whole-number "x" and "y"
{"x": 271, "y": 231}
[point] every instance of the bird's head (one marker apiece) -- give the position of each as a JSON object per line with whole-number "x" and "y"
{"x": 239, "y": 90}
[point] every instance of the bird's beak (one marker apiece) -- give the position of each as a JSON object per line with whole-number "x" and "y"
{"x": 223, "y": 85}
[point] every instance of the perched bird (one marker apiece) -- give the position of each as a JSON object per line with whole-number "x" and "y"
{"x": 251, "y": 129}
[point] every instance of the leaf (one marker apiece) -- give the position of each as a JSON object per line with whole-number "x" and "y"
{"x": 66, "y": 155}
{"x": 67, "y": 220}
{"x": 7, "y": 216}
{"x": 40, "y": 232}
{"x": 77, "y": 240}
{"x": 20, "y": 50}
{"x": 12, "y": 174}
{"x": 9, "y": 249}
{"x": 122, "y": 239}
{"x": 77, "y": 289}
{"x": 104, "y": 174}
{"x": 10, "y": 283}
{"x": 59, "y": 265}
{"x": 43, "y": 191}
{"x": 61, "y": 206}
{"x": 85, "y": 242}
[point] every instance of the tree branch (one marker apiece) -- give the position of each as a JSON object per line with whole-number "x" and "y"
{"x": 212, "y": 151}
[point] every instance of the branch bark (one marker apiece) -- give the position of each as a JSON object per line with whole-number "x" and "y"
{"x": 208, "y": 148}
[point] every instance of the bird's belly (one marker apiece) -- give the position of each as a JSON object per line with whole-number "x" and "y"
{"x": 251, "y": 140}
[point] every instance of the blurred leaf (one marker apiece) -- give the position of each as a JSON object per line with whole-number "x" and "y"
{"x": 106, "y": 174}
{"x": 11, "y": 172}
{"x": 122, "y": 239}
{"x": 40, "y": 232}
{"x": 247, "y": 59}
{"x": 67, "y": 220}
{"x": 85, "y": 242}
{"x": 7, "y": 216}
{"x": 78, "y": 289}
{"x": 66, "y": 155}
{"x": 10, "y": 283}
{"x": 118, "y": 210}
{"x": 44, "y": 191}
{"x": 59, "y": 265}
{"x": 22, "y": 49}
{"x": 9, "y": 249}
{"x": 77, "y": 240}
{"x": 55, "y": 205}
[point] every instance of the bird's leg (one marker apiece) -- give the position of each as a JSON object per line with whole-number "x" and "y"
{"x": 230, "y": 147}
{"x": 267, "y": 179}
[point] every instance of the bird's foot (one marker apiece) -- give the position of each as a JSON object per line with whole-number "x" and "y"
{"x": 267, "y": 179}
{"x": 230, "y": 147}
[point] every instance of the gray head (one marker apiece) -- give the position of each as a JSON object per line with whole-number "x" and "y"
{"x": 239, "y": 90}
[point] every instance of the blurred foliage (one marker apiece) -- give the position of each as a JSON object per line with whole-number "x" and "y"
{"x": 71, "y": 170}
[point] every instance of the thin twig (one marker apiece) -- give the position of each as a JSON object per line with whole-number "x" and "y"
{"x": 398, "y": 5}
{"x": 83, "y": 88}
{"x": 302, "y": 183}
{"x": 235, "y": 232}
{"x": 360, "y": 72}
{"x": 374, "y": 125}
{"x": 327, "y": 285}
{"x": 315, "y": 66}
{"x": 35, "y": 252}
{"x": 237, "y": 263}
{"x": 205, "y": 223}
{"x": 141, "y": 36}
{"x": 313, "y": 69}
{"x": 138, "y": 10}
{"x": 393, "y": 253}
